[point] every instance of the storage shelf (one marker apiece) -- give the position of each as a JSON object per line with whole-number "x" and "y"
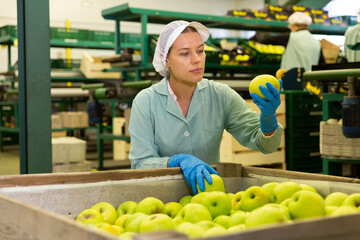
{"x": 126, "y": 13}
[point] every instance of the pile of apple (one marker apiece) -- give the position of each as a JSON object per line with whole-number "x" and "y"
{"x": 215, "y": 212}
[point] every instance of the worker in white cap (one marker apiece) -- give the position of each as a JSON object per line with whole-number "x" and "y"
{"x": 179, "y": 122}
{"x": 352, "y": 36}
{"x": 302, "y": 50}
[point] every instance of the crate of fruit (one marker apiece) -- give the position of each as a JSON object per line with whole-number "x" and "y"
{"x": 244, "y": 203}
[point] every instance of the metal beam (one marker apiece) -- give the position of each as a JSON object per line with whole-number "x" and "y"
{"x": 34, "y": 86}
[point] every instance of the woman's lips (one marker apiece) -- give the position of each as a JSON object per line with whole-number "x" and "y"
{"x": 197, "y": 70}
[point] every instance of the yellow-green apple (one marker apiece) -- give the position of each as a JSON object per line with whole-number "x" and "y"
{"x": 329, "y": 209}
{"x": 120, "y": 221}
{"x": 107, "y": 210}
{"x": 198, "y": 197}
{"x": 236, "y": 200}
{"x": 177, "y": 221}
{"x": 253, "y": 198}
{"x": 264, "y": 216}
{"x": 285, "y": 203}
{"x": 306, "y": 204}
{"x": 223, "y": 220}
{"x": 156, "y": 222}
{"x": 305, "y": 186}
{"x": 206, "y": 225}
{"x": 118, "y": 229}
{"x": 353, "y": 200}
{"x": 285, "y": 190}
{"x": 215, "y": 231}
{"x": 128, "y": 235}
{"x": 190, "y": 229}
{"x": 185, "y": 200}
{"x": 238, "y": 218}
{"x": 132, "y": 224}
{"x": 106, "y": 227}
{"x": 150, "y": 205}
{"x": 236, "y": 228}
{"x": 217, "y": 184}
{"x": 172, "y": 208}
{"x": 194, "y": 212}
{"x": 127, "y": 207}
{"x": 269, "y": 187}
{"x": 283, "y": 208}
{"x": 335, "y": 199}
{"x": 231, "y": 195}
{"x": 262, "y": 80}
{"x": 235, "y": 211}
{"x": 90, "y": 217}
{"x": 344, "y": 210}
{"x": 218, "y": 203}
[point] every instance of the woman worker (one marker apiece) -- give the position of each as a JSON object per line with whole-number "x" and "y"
{"x": 179, "y": 122}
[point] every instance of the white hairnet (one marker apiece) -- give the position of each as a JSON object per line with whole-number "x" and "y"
{"x": 300, "y": 18}
{"x": 168, "y": 36}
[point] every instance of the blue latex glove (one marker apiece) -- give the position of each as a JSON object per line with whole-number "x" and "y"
{"x": 268, "y": 106}
{"x": 194, "y": 170}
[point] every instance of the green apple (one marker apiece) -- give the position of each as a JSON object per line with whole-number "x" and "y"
{"x": 236, "y": 228}
{"x": 306, "y": 204}
{"x": 90, "y": 217}
{"x": 218, "y": 203}
{"x": 262, "y": 80}
{"x": 231, "y": 195}
{"x": 150, "y": 205}
{"x": 329, "y": 209}
{"x": 194, "y": 212}
{"x": 285, "y": 203}
{"x": 106, "y": 227}
{"x": 215, "y": 231}
{"x": 206, "y": 225}
{"x": 353, "y": 200}
{"x": 156, "y": 222}
{"x": 127, "y": 207}
{"x": 269, "y": 187}
{"x": 253, "y": 198}
{"x": 236, "y": 200}
{"x": 107, "y": 210}
{"x": 172, "y": 208}
{"x": 264, "y": 216}
{"x": 282, "y": 208}
{"x": 217, "y": 184}
{"x": 132, "y": 224}
{"x": 128, "y": 235}
{"x": 285, "y": 190}
{"x": 190, "y": 229}
{"x": 185, "y": 200}
{"x": 344, "y": 210}
{"x": 120, "y": 221}
{"x": 177, "y": 221}
{"x": 198, "y": 198}
{"x": 223, "y": 220}
{"x": 238, "y": 218}
{"x": 118, "y": 229}
{"x": 307, "y": 187}
{"x": 236, "y": 211}
{"x": 335, "y": 199}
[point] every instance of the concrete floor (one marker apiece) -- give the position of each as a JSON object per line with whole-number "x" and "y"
{"x": 9, "y": 162}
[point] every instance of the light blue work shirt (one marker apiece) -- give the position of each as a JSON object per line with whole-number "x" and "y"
{"x": 159, "y": 130}
{"x": 302, "y": 51}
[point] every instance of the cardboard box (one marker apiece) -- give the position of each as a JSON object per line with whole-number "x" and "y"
{"x": 330, "y": 51}
{"x": 92, "y": 67}
{"x": 43, "y": 206}
{"x": 74, "y": 119}
{"x": 68, "y": 149}
{"x": 56, "y": 121}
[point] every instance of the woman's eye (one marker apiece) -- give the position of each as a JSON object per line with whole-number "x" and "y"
{"x": 184, "y": 53}
{"x": 201, "y": 51}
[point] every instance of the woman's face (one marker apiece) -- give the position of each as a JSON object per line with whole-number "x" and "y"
{"x": 186, "y": 59}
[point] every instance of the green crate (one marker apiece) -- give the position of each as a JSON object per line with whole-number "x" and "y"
{"x": 260, "y": 57}
{"x": 131, "y": 37}
{"x": 102, "y": 36}
{"x": 65, "y": 63}
{"x": 69, "y": 33}
{"x": 9, "y": 30}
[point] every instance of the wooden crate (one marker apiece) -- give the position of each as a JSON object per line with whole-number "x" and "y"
{"x": 38, "y": 220}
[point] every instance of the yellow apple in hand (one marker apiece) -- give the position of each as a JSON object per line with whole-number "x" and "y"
{"x": 217, "y": 184}
{"x": 262, "y": 80}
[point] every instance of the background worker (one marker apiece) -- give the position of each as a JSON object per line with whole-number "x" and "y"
{"x": 352, "y": 36}
{"x": 179, "y": 122}
{"x": 302, "y": 50}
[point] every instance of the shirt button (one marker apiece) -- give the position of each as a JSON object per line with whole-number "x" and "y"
{"x": 186, "y": 134}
